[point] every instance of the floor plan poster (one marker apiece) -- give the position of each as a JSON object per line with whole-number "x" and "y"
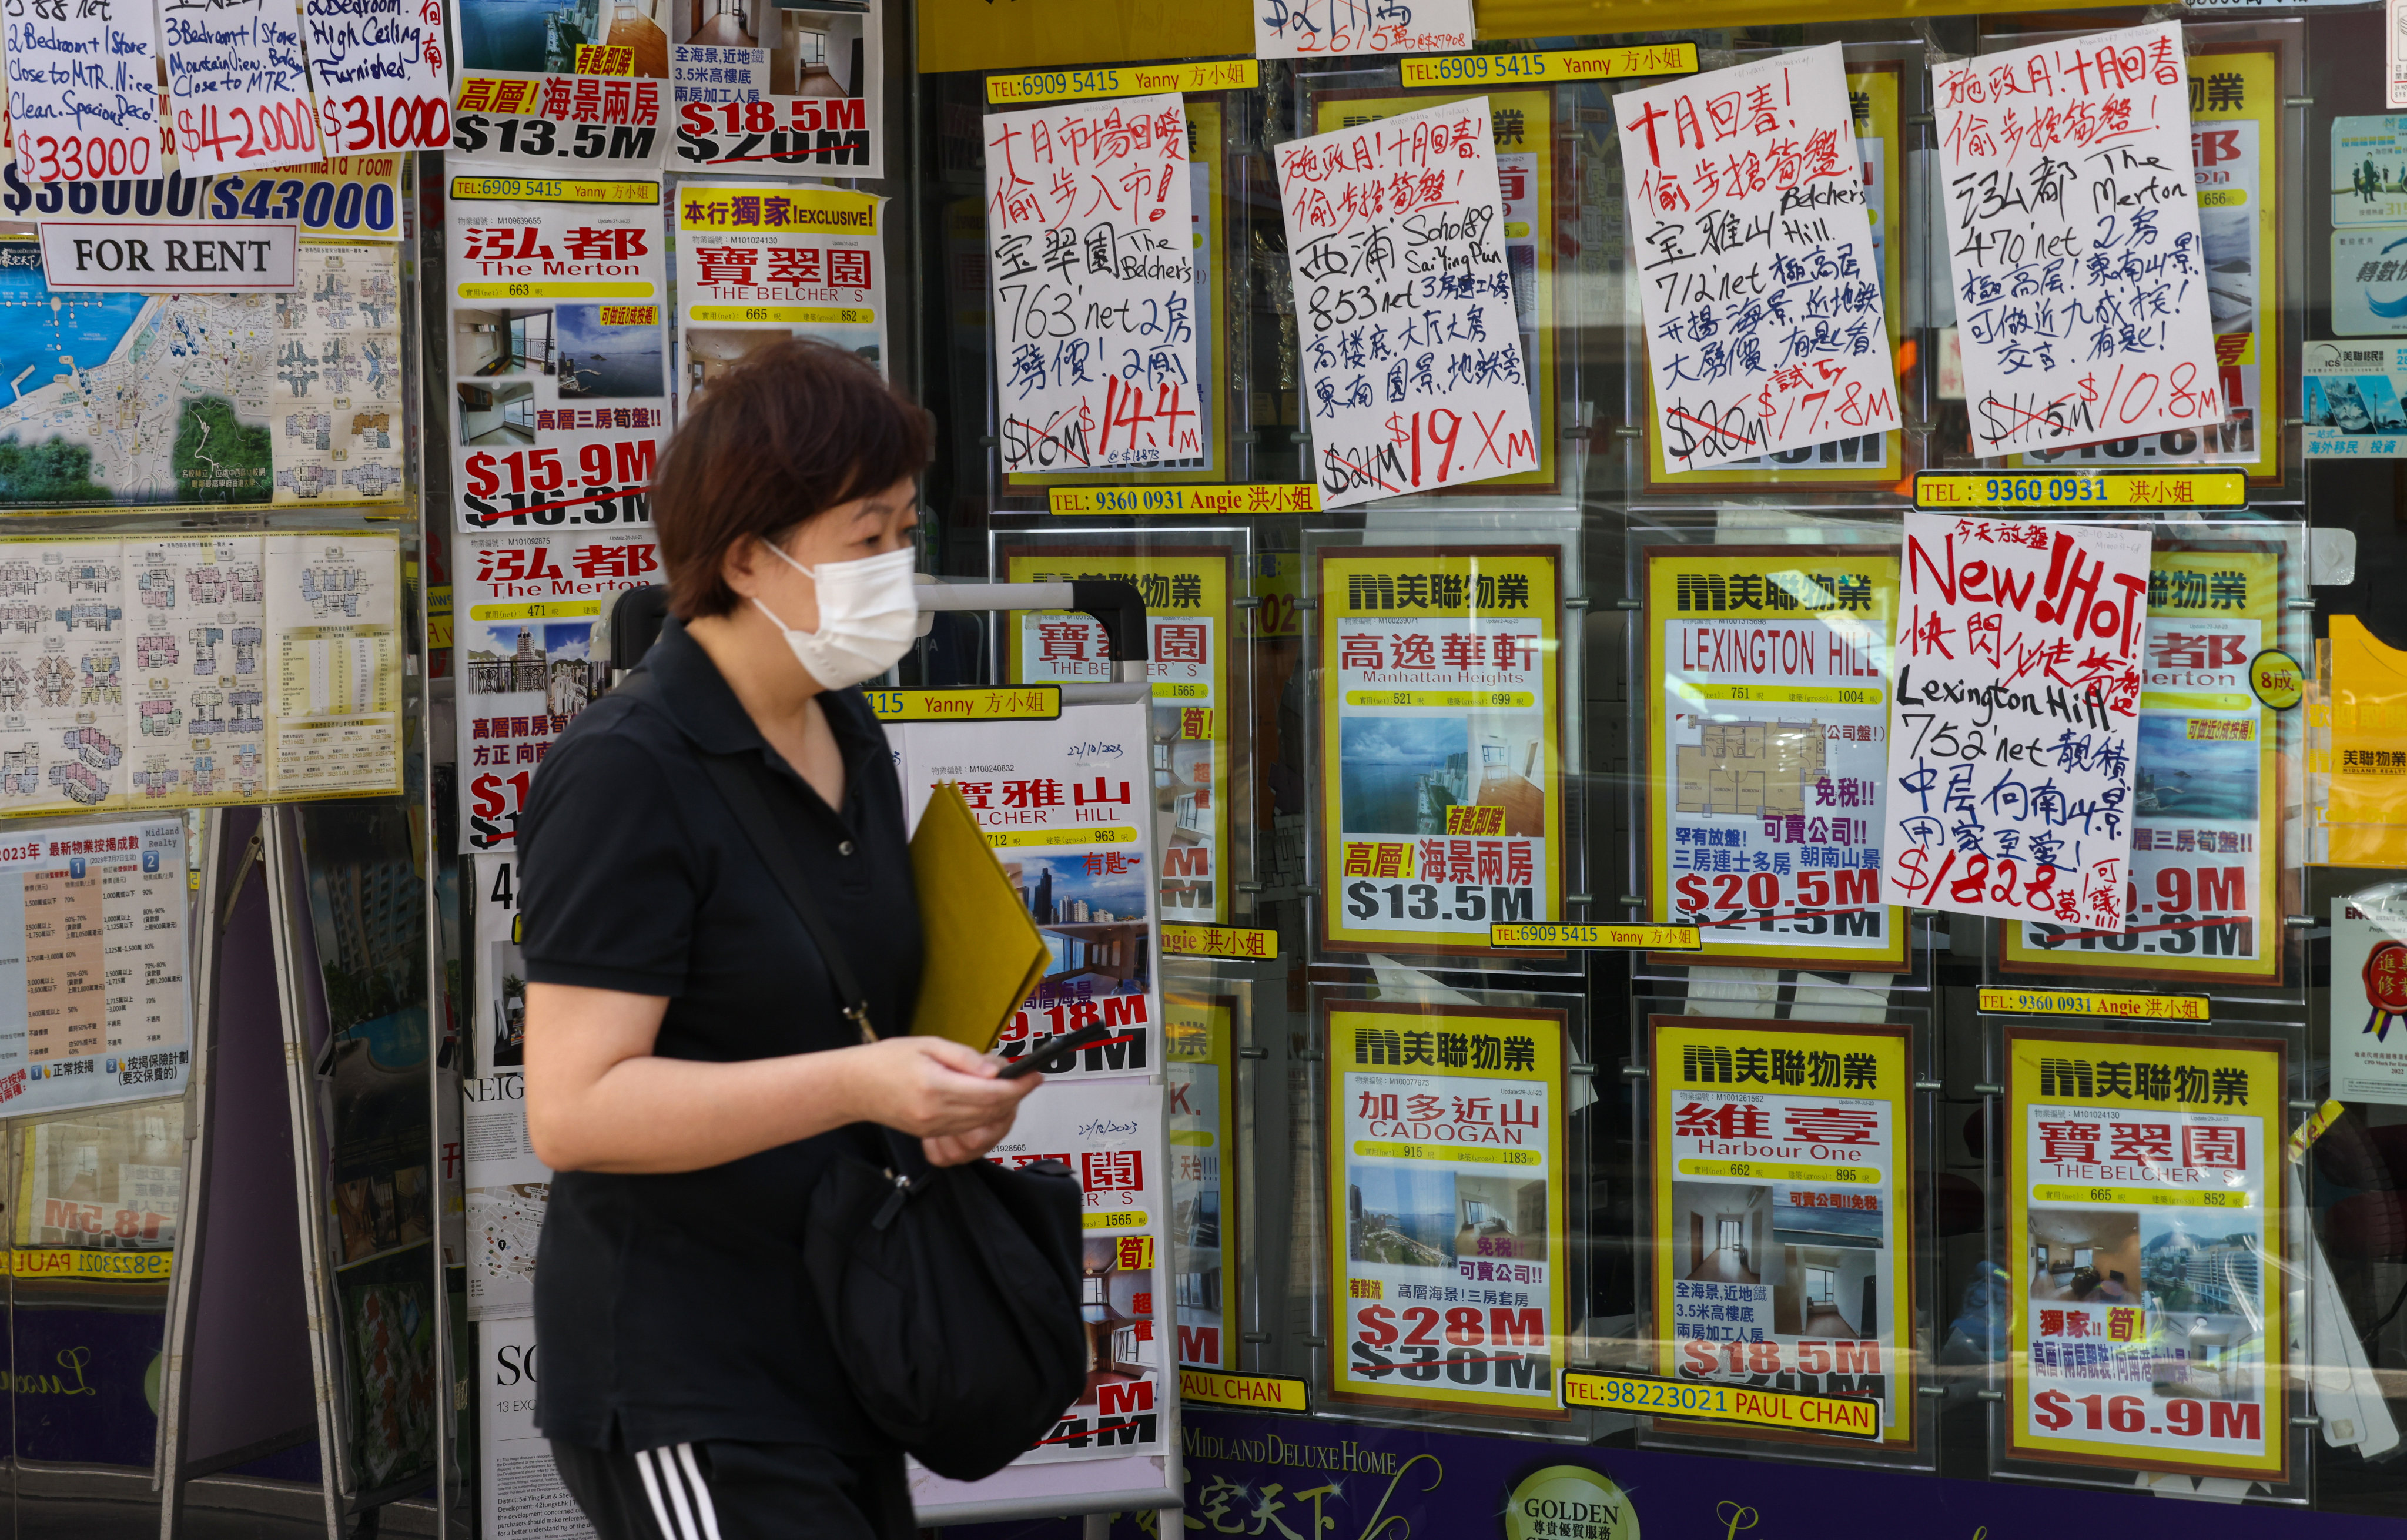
{"x": 1770, "y": 681}
{"x": 761, "y": 263}
{"x": 1440, "y": 735}
{"x": 63, "y": 632}
{"x": 1873, "y": 100}
{"x": 197, "y": 669}
{"x": 1187, "y": 595}
{"x": 141, "y": 399}
{"x": 1784, "y": 1208}
{"x": 334, "y": 610}
{"x": 522, "y": 635}
{"x": 2206, "y": 811}
{"x": 2235, "y": 119}
{"x": 1203, "y": 1225}
{"x": 93, "y": 1006}
{"x": 1445, "y": 1205}
{"x": 789, "y": 90}
{"x": 1063, "y": 806}
{"x": 2147, "y": 1243}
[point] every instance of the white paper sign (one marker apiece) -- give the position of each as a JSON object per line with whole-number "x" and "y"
{"x": 376, "y": 67}
{"x": 1313, "y": 29}
{"x": 1413, "y": 363}
{"x": 2079, "y": 283}
{"x": 1094, "y": 270}
{"x": 237, "y": 90}
{"x": 1757, "y": 265}
{"x": 83, "y": 92}
{"x": 2016, "y": 714}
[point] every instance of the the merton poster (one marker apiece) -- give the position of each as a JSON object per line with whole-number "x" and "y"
{"x": 2011, "y": 778}
{"x": 2148, "y": 1246}
{"x": 1415, "y": 374}
{"x": 2205, "y": 787}
{"x": 1447, "y": 1206}
{"x": 1770, "y": 673}
{"x": 2066, "y": 169}
{"x": 1092, "y": 257}
{"x": 1440, "y": 745}
{"x": 1745, "y": 185}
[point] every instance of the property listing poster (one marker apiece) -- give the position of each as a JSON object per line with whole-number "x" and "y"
{"x": 2353, "y": 398}
{"x": 760, "y": 263}
{"x": 94, "y": 1006}
{"x": 1446, "y": 1206}
{"x": 1398, "y": 406}
{"x": 1187, "y": 595}
{"x": 796, "y": 92}
{"x": 2235, "y": 116}
{"x": 1065, "y": 806}
{"x": 2020, "y": 647}
{"x": 548, "y": 90}
{"x": 334, "y": 619}
{"x": 238, "y": 96}
{"x": 1440, "y": 738}
{"x": 1873, "y": 103}
{"x": 83, "y": 93}
{"x": 519, "y": 1491}
{"x": 560, "y": 390}
{"x": 1316, "y": 29}
{"x": 1783, "y": 1209}
{"x": 523, "y": 607}
{"x": 109, "y": 1180}
{"x": 1771, "y": 669}
{"x": 1204, "y": 1266}
{"x": 2145, "y": 1234}
{"x": 376, "y": 67}
{"x": 2369, "y": 998}
{"x": 1206, "y": 192}
{"x": 196, "y": 658}
{"x": 508, "y": 1188}
{"x": 2205, "y": 795}
{"x": 1764, "y": 146}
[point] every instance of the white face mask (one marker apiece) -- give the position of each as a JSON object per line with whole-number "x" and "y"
{"x": 869, "y": 615}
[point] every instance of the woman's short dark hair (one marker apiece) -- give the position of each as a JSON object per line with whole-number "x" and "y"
{"x": 797, "y": 429}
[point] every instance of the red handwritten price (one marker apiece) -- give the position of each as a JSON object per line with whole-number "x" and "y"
{"x": 94, "y": 157}
{"x": 357, "y": 124}
{"x": 215, "y": 141}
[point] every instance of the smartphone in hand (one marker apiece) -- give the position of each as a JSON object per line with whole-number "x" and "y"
{"x": 1055, "y": 1050}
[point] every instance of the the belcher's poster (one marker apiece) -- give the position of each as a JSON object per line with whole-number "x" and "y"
{"x": 1783, "y": 1209}
{"x": 1441, "y": 726}
{"x": 1447, "y": 1206}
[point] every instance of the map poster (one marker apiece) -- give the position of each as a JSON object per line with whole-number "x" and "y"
{"x": 508, "y": 1188}
{"x": 777, "y": 91}
{"x": 93, "y": 1002}
{"x": 2146, "y": 1237}
{"x": 1318, "y": 29}
{"x": 135, "y": 399}
{"x": 1446, "y": 1206}
{"x": 1187, "y": 592}
{"x": 83, "y": 92}
{"x": 1206, "y": 1268}
{"x": 1207, "y": 191}
{"x": 1784, "y": 1185}
{"x": 1767, "y": 146}
{"x": 560, "y": 387}
{"x": 2010, "y": 764}
{"x": 1451, "y": 404}
{"x": 562, "y": 91}
{"x": 2111, "y": 110}
{"x": 2235, "y": 110}
{"x": 195, "y": 661}
{"x": 1770, "y": 670}
{"x": 376, "y": 67}
{"x": 334, "y": 604}
{"x": 1440, "y": 745}
{"x": 2206, "y": 804}
{"x": 1089, "y": 219}
{"x": 523, "y": 608}
{"x": 761, "y": 263}
{"x": 238, "y": 93}
{"x": 1523, "y": 126}
{"x": 2369, "y": 997}
{"x": 1865, "y": 459}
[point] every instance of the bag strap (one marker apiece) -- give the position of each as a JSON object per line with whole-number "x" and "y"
{"x": 739, "y": 777}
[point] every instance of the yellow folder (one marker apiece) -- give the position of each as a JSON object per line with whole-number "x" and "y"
{"x": 983, "y": 955}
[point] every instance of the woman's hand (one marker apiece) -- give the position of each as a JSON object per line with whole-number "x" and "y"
{"x": 949, "y": 1096}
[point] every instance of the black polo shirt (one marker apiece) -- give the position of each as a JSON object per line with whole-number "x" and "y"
{"x": 673, "y": 1308}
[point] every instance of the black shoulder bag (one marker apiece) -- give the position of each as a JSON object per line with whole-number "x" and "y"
{"x": 950, "y": 1294}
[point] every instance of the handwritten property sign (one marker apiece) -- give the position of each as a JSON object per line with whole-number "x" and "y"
{"x": 2081, "y": 288}
{"x": 1093, "y": 257}
{"x": 238, "y": 91}
{"x": 83, "y": 92}
{"x": 1414, "y": 372}
{"x": 1757, "y": 269}
{"x": 2017, "y": 709}
{"x": 1313, "y": 29}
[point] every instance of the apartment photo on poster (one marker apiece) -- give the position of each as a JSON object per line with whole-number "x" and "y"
{"x": 794, "y": 90}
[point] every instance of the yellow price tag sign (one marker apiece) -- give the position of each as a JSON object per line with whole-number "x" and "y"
{"x": 1126, "y": 1219}
{"x": 1262, "y": 1392}
{"x": 1777, "y": 1171}
{"x": 1014, "y": 703}
{"x": 1847, "y": 1417}
{"x": 1219, "y": 941}
{"x": 1275, "y": 497}
{"x": 1946, "y": 492}
{"x": 2140, "y": 1007}
{"x": 1085, "y": 85}
{"x": 2144, "y": 1197}
{"x": 1004, "y": 839}
{"x": 1559, "y": 936}
{"x": 1604, "y": 64}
